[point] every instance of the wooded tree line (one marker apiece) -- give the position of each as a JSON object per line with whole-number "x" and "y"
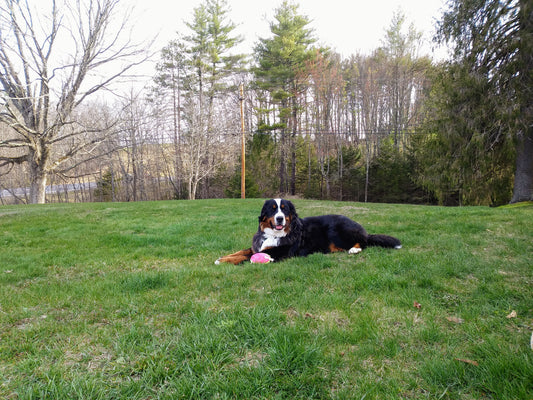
{"x": 391, "y": 126}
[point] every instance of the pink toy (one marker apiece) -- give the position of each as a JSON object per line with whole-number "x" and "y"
{"x": 262, "y": 258}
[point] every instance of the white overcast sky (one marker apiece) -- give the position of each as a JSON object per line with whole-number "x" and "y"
{"x": 348, "y": 26}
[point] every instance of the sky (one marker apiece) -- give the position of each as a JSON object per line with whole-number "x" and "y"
{"x": 348, "y": 26}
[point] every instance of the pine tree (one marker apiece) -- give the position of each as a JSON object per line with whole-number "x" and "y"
{"x": 493, "y": 43}
{"x": 200, "y": 65}
{"x": 280, "y": 61}
{"x": 209, "y": 46}
{"x": 169, "y": 78}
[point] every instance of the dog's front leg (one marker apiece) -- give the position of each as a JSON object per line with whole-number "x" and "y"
{"x": 236, "y": 258}
{"x": 278, "y": 253}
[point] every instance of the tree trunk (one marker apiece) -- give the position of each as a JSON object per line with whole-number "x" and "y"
{"x": 293, "y": 168}
{"x": 176, "y": 113}
{"x": 367, "y": 168}
{"x": 190, "y": 194}
{"x": 38, "y": 159}
{"x": 293, "y": 145}
{"x": 38, "y": 183}
{"x": 194, "y": 186}
{"x": 282, "y": 165}
{"x": 523, "y": 180}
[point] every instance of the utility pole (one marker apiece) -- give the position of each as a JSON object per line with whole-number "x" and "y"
{"x": 243, "y": 152}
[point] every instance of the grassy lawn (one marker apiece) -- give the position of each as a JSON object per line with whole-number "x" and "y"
{"x": 123, "y": 301}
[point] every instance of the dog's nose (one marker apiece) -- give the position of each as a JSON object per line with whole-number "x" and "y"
{"x": 279, "y": 220}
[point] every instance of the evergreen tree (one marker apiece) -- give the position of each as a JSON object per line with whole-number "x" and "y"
{"x": 493, "y": 44}
{"x": 196, "y": 69}
{"x": 260, "y": 163}
{"x": 280, "y": 62}
{"x": 169, "y": 78}
{"x": 465, "y": 155}
{"x": 209, "y": 47}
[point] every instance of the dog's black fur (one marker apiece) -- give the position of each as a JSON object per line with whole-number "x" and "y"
{"x": 282, "y": 234}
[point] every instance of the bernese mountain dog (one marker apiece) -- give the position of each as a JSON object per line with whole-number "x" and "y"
{"x": 282, "y": 234}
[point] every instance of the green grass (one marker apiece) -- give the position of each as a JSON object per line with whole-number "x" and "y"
{"x": 123, "y": 301}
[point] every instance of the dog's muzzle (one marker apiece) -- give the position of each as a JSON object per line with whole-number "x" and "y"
{"x": 280, "y": 223}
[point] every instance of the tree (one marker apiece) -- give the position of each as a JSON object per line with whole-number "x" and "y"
{"x": 198, "y": 71}
{"x": 326, "y": 91}
{"x": 170, "y": 75}
{"x": 136, "y": 137}
{"x": 464, "y": 153}
{"x": 384, "y": 95}
{"x": 493, "y": 43}
{"x": 209, "y": 47}
{"x": 404, "y": 74}
{"x": 41, "y": 87}
{"x": 260, "y": 164}
{"x": 211, "y": 61}
{"x": 280, "y": 62}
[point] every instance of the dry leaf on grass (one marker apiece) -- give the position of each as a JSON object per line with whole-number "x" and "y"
{"x": 416, "y": 304}
{"x": 467, "y": 361}
{"x": 455, "y": 320}
{"x": 512, "y": 315}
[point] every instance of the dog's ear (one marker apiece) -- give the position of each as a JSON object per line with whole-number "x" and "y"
{"x": 292, "y": 209}
{"x": 296, "y": 222}
{"x": 263, "y": 215}
{"x": 296, "y": 227}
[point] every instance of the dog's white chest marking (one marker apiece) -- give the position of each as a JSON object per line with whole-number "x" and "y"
{"x": 270, "y": 241}
{"x": 271, "y": 238}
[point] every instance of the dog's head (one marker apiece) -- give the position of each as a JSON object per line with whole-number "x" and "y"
{"x": 278, "y": 217}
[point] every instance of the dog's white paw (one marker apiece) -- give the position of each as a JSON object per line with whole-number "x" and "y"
{"x": 398, "y": 247}
{"x": 355, "y": 250}
{"x": 217, "y": 262}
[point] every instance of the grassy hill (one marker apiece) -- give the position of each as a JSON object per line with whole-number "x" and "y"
{"x": 123, "y": 300}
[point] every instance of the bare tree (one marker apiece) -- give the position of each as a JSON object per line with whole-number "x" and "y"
{"x": 201, "y": 158}
{"x": 41, "y": 84}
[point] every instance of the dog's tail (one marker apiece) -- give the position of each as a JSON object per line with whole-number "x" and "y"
{"x": 384, "y": 241}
